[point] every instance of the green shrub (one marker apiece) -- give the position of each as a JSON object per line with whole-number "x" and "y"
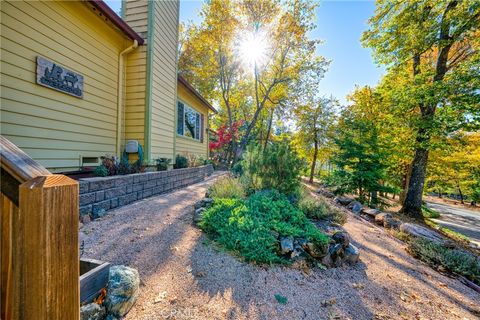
{"x": 237, "y": 169}
{"x": 452, "y": 259}
{"x": 275, "y": 167}
{"x": 195, "y": 160}
{"x": 250, "y": 227}
{"x": 112, "y": 166}
{"x": 313, "y": 208}
{"x": 227, "y": 187}
{"x": 180, "y": 162}
{"x": 318, "y": 209}
{"x": 429, "y": 213}
{"x": 162, "y": 163}
{"x": 101, "y": 171}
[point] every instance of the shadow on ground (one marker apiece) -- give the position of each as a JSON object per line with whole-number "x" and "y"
{"x": 186, "y": 276}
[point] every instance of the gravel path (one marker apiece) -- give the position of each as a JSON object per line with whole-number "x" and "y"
{"x": 184, "y": 276}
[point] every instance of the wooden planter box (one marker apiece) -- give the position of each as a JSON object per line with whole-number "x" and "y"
{"x": 93, "y": 277}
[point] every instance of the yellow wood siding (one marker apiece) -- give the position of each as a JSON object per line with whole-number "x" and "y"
{"x": 185, "y": 145}
{"x": 135, "y": 95}
{"x": 164, "y": 77}
{"x": 55, "y": 128}
{"x": 136, "y": 15}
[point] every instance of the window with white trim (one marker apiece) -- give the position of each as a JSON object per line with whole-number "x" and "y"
{"x": 189, "y": 122}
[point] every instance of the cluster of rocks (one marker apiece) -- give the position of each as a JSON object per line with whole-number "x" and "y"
{"x": 122, "y": 292}
{"x": 388, "y": 221}
{"x": 338, "y": 252}
{"x": 200, "y": 207}
{"x": 381, "y": 218}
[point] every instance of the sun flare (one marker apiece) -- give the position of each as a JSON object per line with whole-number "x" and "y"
{"x": 253, "y": 49}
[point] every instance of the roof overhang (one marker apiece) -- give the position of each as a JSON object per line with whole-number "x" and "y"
{"x": 195, "y": 93}
{"x": 105, "y": 10}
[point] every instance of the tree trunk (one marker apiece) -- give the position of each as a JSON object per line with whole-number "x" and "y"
{"x": 270, "y": 122}
{"x": 413, "y": 200}
{"x": 374, "y": 198}
{"x": 314, "y": 161}
{"x": 460, "y": 191}
{"x": 404, "y": 183}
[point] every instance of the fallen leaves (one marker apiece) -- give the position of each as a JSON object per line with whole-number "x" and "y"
{"x": 101, "y": 296}
{"x": 329, "y": 302}
{"x": 161, "y": 296}
{"x": 201, "y": 274}
{"x": 358, "y": 285}
{"x": 281, "y": 299}
{"x": 409, "y": 297}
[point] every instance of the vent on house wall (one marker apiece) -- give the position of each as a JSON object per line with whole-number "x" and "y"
{"x": 88, "y": 161}
{"x": 131, "y": 146}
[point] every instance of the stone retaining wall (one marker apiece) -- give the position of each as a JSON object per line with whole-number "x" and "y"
{"x": 101, "y": 194}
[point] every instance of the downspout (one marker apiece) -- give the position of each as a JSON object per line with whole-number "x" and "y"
{"x": 120, "y": 93}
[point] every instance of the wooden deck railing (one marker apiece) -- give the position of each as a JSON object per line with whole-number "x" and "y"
{"x": 39, "y": 240}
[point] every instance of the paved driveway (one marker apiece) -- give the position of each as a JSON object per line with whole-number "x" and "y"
{"x": 464, "y": 221}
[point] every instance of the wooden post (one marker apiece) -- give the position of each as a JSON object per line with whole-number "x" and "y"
{"x": 45, "y": 249}
{"x": 7, "y": 211}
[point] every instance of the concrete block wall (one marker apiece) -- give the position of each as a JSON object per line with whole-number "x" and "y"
{"x": 104, "y": 193}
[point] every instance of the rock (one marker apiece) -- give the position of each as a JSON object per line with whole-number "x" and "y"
{"x": 85, "y": 218}
{"x": 341, "y": 238}
{"x": 370, "y": 212}
{"x": 204, "y": 203}
{"x": 351, "y": 254}
{"x": 123, "y": 288}
{"x": 286, "y": 244}
{"x": 421, "y": 232}
{"x": 208, "y": 202}
{"x": 208, "y": 193}
{"x": 98, "y": 214}
{"x": 198, "y": 204}
{"x": 298, "y": 252}
{"x": 327, "y": 260}
{"x": 197, "y": 215}
{"x": 343, "y": 200}
{"x": 313, "y": 250}
{"x": 379, "y": 218}
{"x": 391, "y": 223}
{"x": 325, "y": 193}
{"x": 92, "y": 311}
{"x": 300, "y": 242}
{"x": 336, "y": 252}
{"x": 355, "y": 207}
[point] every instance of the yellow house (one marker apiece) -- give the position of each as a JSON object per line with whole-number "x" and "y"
{"x": 78, "y": 82}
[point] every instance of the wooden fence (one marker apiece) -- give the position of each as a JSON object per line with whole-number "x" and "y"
{"x": 39, "y": 240}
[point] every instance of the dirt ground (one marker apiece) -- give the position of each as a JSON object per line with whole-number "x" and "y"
{"x": 185, "y": 276}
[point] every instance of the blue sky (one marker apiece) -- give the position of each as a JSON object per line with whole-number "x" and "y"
{"x": 340, "y": 24}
